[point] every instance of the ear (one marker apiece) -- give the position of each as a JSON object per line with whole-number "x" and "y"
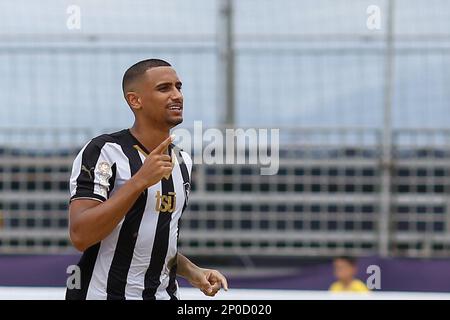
{"x": 133, "y": 99}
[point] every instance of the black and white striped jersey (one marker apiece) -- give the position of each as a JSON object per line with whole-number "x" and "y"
{"x": 138, "y": 259}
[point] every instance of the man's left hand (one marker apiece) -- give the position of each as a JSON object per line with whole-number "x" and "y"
{"x": 209, "y": 281}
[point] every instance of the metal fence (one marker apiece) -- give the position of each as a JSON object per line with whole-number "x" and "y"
{"x": 325, "y": 199}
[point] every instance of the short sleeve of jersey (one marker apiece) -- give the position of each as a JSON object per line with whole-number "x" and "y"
{"x": 92, "y": 172}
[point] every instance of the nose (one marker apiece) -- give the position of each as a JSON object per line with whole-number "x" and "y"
{"x": 177, "y": 95}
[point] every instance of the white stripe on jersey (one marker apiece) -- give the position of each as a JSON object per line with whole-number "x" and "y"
{"x": 187, "y": 159}
{"x": 144, "y": 244}
{"x": 101, "y": 187}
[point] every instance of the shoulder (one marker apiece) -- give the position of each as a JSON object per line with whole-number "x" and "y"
{"x": 102, "y": 139}
{"x": 186, "y": 157}
{"x": 98, "y": 143}
{"x": 359, "y": 285}
{"x": 335, "y": 286}
{"x": 180, "y": 152}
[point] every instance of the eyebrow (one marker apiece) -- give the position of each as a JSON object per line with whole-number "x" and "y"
{"x": 163, "y": 84}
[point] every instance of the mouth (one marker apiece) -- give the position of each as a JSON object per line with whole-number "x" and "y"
{"x": 175, "y": 107}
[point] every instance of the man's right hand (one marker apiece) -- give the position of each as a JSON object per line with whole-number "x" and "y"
{"x": 156, "y": 166}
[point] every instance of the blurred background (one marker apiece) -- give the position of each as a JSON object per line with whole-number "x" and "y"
{"x": 363, "y": 114}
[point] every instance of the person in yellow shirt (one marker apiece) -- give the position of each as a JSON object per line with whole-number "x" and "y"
{"x": 345, "y": 270}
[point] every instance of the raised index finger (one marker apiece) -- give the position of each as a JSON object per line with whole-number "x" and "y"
{"x": 163, "y": 146}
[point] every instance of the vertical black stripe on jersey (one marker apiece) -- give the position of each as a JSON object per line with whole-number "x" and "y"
{"x": 86, "y": 265}
{"x": 160, "y": 246}
{"x": 123, "y": 255}
{"x": 172, "y": 288}
{"x": 112, "y": 180}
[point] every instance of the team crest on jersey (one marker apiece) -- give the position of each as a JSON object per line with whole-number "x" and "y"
{"x": 104, "y": 168}
{"x": 103, "y": 174}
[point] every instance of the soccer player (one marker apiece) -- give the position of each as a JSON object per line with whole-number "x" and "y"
{"x": 345, "y": 271}
{"x": 128, "y": 191}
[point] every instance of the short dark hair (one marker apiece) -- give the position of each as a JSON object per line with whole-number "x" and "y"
{"x": 139, "y": 68}
{"x": 348, "y": 259}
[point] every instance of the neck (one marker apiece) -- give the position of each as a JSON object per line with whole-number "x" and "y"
{"x": 149, "y": 136}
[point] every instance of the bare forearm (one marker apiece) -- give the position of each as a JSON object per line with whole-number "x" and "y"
{"x": 96, "y": 223}
{"x": 185, "y": 267}
{"x": 209, "y": 281}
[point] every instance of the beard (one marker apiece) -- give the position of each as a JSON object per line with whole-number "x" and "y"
{"x": 172, "y": 122}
